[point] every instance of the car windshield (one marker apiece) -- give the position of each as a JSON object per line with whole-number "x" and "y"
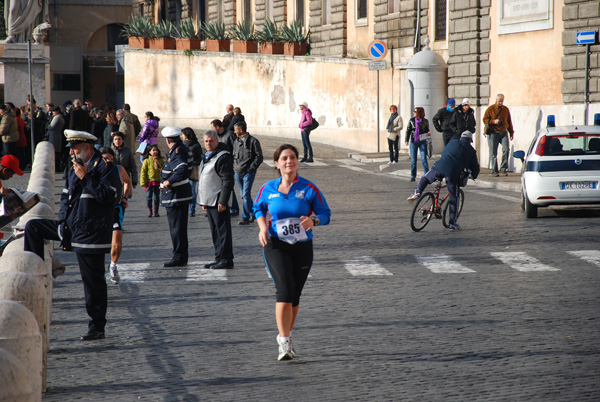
{"x": 572, "y": 144}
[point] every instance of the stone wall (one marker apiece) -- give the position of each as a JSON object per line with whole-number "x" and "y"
{"x": 469, "y": 50}
{"x": 331, "y": 39}
{"x": 579, "y": 15}
{"x": 397, "y": 29}
{"x": 279, "y": 12}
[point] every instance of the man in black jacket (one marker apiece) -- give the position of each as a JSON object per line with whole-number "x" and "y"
{"x": 215, "y": 184}
{"x": 441, "y": 121}
{"x": 227, "y": 138}
{"x": 247, "y": 157}
{"x": 84, "y": 224}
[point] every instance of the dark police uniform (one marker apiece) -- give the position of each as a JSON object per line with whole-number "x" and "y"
{"x": 177, "y": 196}
{"x": 84, "y": 226}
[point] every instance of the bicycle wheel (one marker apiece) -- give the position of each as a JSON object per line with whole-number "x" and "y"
{"x": 422, "y": 212}
{"x": 446, "y": 212}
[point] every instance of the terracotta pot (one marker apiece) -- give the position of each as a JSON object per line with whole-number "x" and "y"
{"x": 294, "y": 49}
{"x": 162, "y": 43}
{"x": 188, "y": 44}
{"x": 214, "y": 45}
{"x": 245, "y": 46}
{"x": 271, "y": 48}
{"x": 136, "y": 42}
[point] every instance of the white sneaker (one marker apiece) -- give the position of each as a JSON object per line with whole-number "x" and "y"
{"x": 284, "y": 350}
{"x": 292, "y": 351}
{"x": 413, "y": 197}
{"x": 114, "y": 275}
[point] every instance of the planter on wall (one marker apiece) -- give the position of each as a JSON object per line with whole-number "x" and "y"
{"x": 215, "y": 45}
{"x": 294, "y": 49}
{"x": 271, "y": 48}
{"x": 245, "y": 46}
{"x": 188, "y": 44}
{"x": 136, "y": 42}
{"x": 162, "y": 43}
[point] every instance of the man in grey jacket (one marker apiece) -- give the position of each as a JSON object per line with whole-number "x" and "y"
{"x": 247, "y": 157}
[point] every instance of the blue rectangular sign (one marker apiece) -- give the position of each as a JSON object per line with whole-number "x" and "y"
{"x": 586, "y": 38}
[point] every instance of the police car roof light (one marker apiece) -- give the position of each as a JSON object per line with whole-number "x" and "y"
{"x": 551, "y": 120}
{"x": 597, "y": 119}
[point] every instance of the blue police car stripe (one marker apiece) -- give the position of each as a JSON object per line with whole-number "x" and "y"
{"x": 563, "y": 165}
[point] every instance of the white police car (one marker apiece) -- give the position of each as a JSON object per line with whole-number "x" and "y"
{"x": 562, "y": 167}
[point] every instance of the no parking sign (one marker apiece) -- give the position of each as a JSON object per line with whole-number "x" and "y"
{"x": 378, "y": 50}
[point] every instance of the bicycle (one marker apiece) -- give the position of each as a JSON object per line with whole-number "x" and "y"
{"x": 430, "y": 205}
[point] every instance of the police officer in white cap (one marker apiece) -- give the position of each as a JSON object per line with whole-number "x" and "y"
{"x": 176, "y": 194}
{"x": 92, "y": 189}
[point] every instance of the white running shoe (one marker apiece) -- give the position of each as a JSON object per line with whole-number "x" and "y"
{"x": 413, "y": 197}
{"x": 284, "y": 350}
{"x": 292, "y": 351}
{"x": 114, "y": 275}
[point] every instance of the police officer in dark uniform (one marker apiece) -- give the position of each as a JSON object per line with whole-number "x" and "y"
{"x": 176, "y": 194}
{"x": 84, "y": 225}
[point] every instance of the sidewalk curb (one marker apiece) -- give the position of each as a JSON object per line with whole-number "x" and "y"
{"x": 502, "y": 186}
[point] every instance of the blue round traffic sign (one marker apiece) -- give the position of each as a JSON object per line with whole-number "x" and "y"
{"x": 377, "y": 50}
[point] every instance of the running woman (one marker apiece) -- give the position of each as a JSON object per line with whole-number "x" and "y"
{"x": 296, "y": 206}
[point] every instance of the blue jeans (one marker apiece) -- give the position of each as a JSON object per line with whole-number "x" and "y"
{"x": 394, "y": 147}
{"x": 245, "y": 184}
{"x": 194, "y": 185}
{"x": 308, "y": 152}
{"x": 434, "y": 175}
{"x": 494, "y": 140}
{"x": 153, "y": 192}
{"x": 421, "y": 146}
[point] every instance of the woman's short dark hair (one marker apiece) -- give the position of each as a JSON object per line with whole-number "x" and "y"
{"x": 282, "y": 148}
{"x": 189, "y": 133}
{"x": 420, "y": 112}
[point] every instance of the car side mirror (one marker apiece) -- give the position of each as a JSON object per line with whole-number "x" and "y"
{"x": 519, "y": 155}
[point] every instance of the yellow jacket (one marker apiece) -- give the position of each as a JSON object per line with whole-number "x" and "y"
{"x": 149, "y": 171}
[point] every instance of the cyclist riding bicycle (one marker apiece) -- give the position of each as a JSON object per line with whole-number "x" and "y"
{"x": 458, "y": 155}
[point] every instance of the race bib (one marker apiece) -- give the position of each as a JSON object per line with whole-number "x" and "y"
{"x": 290, "y": 231}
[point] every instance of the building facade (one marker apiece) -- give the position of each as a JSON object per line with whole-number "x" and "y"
{"x": 524, "y": 49}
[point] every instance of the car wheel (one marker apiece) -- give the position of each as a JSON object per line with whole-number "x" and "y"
{"x": 530, "y": 209}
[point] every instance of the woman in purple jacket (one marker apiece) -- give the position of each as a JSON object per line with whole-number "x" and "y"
{"x": 149, "y": 133}
{"x": 305, "y": 123}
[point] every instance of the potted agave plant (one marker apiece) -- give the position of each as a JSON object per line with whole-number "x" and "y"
{"x": 243, "y": 38}
{"x": 296, "y": 41}
{"x": 216, "y": 37}
{"x": 138, "y": 31}
{"x": 187, "y": 37}
{"x": 271, "y": 41}
{"x": 162, "y": 36}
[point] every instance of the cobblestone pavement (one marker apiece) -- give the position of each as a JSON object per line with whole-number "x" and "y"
{"x": 505, "y": 310}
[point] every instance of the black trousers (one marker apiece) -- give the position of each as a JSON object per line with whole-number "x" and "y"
{"x": 178, "y": 227}
{"x": 91, "y": 267}
{"x": 289, "y": 266}
{"x": 220, "y": 228}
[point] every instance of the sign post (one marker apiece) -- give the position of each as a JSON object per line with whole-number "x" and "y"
{"x": 377, "y": 51}
{"x": 586, "y": 38}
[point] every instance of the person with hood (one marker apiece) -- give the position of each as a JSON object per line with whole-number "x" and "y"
{"x": 9, "y": 130}
{"x": 56, "y": 135}
{"x": 463, "y": 118}
{"x": 149, "y": 133}
{"x": 124, "y": 157}
{"x": 191, "y": 141}
{"x": 458, "y": 155}
{"x": 441, "y": 121}
{"x": 305, "y": 123}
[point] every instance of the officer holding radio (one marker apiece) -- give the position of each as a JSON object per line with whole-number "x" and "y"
{"x": 92, "y": 189}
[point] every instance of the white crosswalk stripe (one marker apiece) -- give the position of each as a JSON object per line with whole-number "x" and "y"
{"x": 197, "y": 272}
{"x": 522, "y": 261}
{"x": 365, "y": 266}
{"x": 591, "y": 256}
{"x": 442, "y": 264}
{"x": 135, "y": 272}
